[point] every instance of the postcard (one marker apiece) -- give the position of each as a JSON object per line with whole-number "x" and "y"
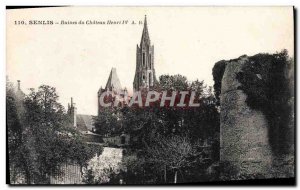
{"x": 150, "y": 95}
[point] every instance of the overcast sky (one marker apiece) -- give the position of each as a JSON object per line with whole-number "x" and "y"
{"x": 77, "y": 59}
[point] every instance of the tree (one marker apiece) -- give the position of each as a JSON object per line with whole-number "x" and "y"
{"x": 174, "y": 153}
{"x": 173, "y": 82}
{"x": 14, "y": 131}
{"x": 172, "y": 125}
{"x": 107, "y": 122}
{"x": 102, "y": 168}
{"x": 46, "y": 142}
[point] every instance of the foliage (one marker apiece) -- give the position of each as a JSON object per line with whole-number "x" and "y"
{"x": 196, "y": 122}
{"x": 44, "y": 141}
{"x": 14, "y": 130}
{"x": 218, "y": 72}
{"x": 145, "y": 125}
{"x": 175, "y": 82}
{"x": 101, "y": 168}
{"x": 107, "y": 122}
{"x": 266, "y": 81}
{"x": 134, "y": 169}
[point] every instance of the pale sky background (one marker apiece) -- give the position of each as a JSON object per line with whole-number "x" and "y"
{"x": 77, "y": 59}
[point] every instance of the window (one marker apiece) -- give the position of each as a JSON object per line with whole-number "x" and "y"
{"x": 150, "y": 79}
{"x": 143, "y": 59}
{"x": 150, "y": 64}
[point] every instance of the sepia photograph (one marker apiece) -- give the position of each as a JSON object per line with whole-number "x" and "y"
{"x": 150, "y": 95}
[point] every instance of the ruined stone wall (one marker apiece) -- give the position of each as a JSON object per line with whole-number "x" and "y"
{"x": 244, "y": 147}
{"x": 250, "y": 147}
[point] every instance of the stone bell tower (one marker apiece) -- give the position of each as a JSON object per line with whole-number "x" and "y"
{"x": 72, "y": 112}
{"x": 145, "y": 73}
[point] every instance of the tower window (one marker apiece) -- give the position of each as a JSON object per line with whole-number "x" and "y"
{"x": 143, "y": 59}
{"x": 150, "y": 64}
{"x": 150, "y": 79}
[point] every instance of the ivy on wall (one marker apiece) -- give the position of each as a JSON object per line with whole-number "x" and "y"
{"x": 218, "y": 72}
{"x": 268, "y": 82}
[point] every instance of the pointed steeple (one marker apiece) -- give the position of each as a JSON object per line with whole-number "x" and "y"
{"x": 113, "y": 82}
{"x": 145, "y": 73}
{"x": 145, "y": 35}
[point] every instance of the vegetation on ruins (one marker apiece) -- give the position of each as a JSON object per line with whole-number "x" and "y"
{"x": 218, "y": 72}
{"x": 268, "y": 82}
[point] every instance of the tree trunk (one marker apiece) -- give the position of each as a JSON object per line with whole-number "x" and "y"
{"x": 175, "y": 177}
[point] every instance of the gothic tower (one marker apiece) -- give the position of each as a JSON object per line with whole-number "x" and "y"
{"x": 145, "y": 73}
{"x": 72, "y": 112}
{"x": 113, "y": 85}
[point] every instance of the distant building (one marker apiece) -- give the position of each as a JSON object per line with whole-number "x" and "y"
{"x": 113, "y": 85}
{"x": 84, "y": 124}
{"x": 144, "y": 79}
{"x": 20, "y": 95}
{"x": 72, "y": 112}
{"x": 145, "y": 73}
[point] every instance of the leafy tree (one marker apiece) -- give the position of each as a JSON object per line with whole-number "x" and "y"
{"x": 107, "y": 122}
{"x": 175, "y": 82}
{"x": 14, "y": 131}
{"x": 146, "y": 124}
{"x": 46, "y": 142}
{"x": 105, "y": 167}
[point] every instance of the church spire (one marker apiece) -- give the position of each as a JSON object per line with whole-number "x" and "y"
{"x": 145, "y": 73}
{"x": 145, "y": 35}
